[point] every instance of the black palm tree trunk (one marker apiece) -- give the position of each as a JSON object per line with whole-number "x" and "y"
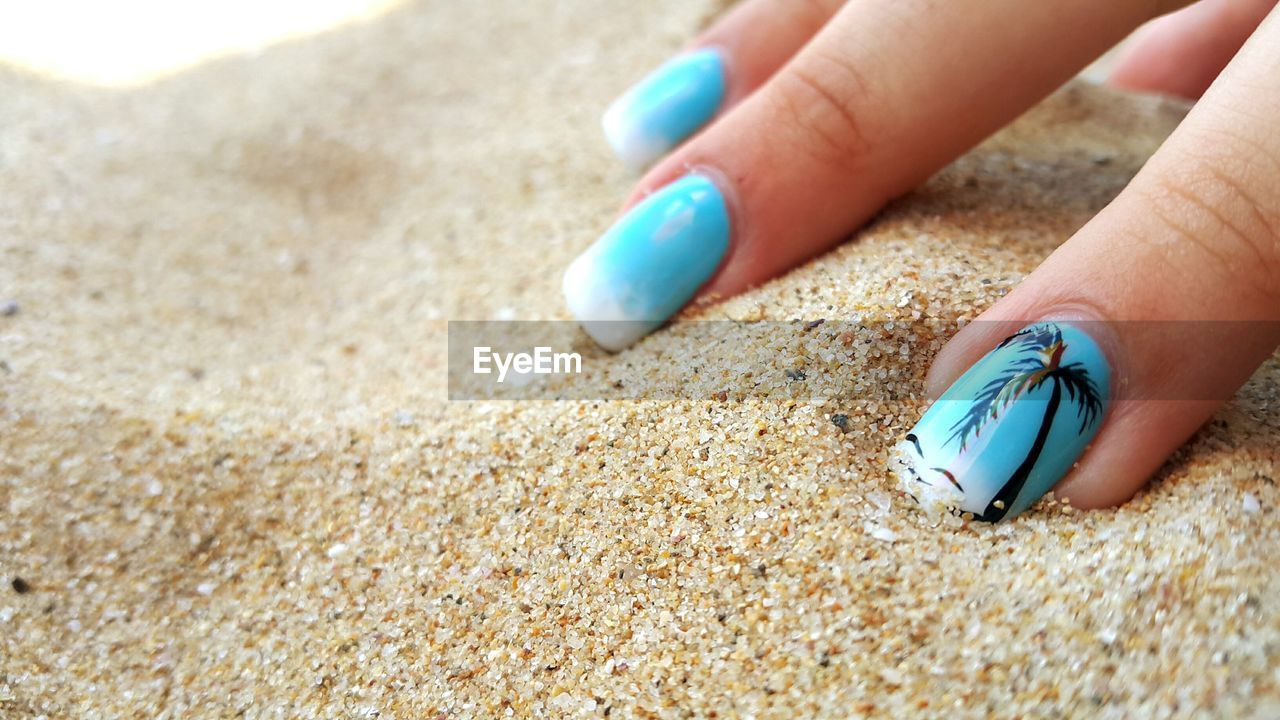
{"x": 1010, "y": 491}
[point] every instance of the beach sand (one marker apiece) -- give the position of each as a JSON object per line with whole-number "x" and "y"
{"x": 232, "y": 485}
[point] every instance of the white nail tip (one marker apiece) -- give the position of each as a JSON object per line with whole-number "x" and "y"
{"x": 596, "y": 307}
{"x": 936, "y": 498}
{"x": 634, "y": 147}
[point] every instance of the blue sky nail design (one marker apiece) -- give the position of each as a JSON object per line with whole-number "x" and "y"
{"x": 670, "y": 104}
{"x": 650, "y": 263}
{"x": 1011, "y": 426}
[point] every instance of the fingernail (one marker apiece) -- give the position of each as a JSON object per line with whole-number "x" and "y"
{"x": 666, "y": 107}
{"x": 650, "y": 263}
{"x": 1011, "y": 426}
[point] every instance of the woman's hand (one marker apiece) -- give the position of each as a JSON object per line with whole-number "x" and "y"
{"x": 800, "y": 118}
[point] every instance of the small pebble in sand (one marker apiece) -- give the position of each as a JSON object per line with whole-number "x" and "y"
{"x": 21, "y": 586}
{"x": 1251, "y": 504}
{"x": 9, "y": 308}
{"x": 882, "y": 533}
{"x": 881, "y": 500}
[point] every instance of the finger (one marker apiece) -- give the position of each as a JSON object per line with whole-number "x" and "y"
{"x": 1181, "y": 53}
{"x": 1170, "y": 297}
{"x": 718, "y": 70}
{"x": 884, "y": 95}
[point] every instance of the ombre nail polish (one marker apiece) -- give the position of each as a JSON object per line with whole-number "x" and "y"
{"x": 1011, "y": 427}
{"x": 666, "y": 107}
{"x": 650, "y": 263}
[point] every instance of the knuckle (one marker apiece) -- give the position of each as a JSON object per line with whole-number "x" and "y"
{"x": 821, "y": 96}
{"x": 1220, "y": 213}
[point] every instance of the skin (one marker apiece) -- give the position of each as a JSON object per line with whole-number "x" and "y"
{"x": 835, "y": 108}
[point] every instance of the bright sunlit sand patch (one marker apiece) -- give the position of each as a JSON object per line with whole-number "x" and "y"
{"x": 128, "y": 42}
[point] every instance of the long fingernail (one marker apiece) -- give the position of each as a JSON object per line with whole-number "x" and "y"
{"x": 1011, "y": 426}
{"x": 666, "y": 107}
{"x": 650, "y": 263}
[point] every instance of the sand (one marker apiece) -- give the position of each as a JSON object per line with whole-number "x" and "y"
{"x": 232, "y": 484}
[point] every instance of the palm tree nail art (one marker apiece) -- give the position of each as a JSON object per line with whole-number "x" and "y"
{"x": 1011, "y": 426}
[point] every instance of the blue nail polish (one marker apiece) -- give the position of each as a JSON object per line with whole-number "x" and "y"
{"x": 666, "y": 107}
{"x": 650, "y": 263}
{"x": 1011, "y": 426}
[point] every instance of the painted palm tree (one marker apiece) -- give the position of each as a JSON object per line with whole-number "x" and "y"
{"x": 1039, "y": 361}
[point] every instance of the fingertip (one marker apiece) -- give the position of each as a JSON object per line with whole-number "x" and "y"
{"x": 1012, "y": 425}
{"x": 1182, "y": 53}
{"x": 670, "y": 104}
